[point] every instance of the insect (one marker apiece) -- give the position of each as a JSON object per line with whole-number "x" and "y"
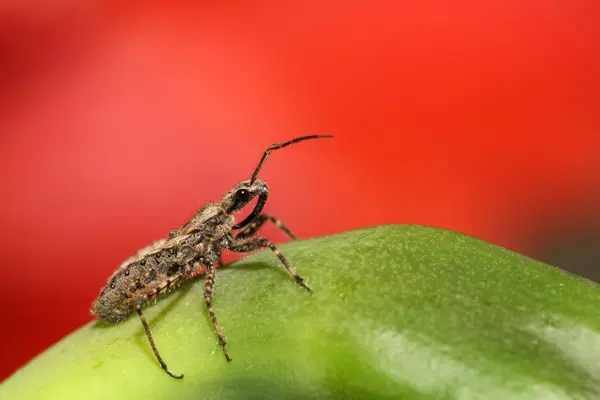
{"x": 199, "y": 242}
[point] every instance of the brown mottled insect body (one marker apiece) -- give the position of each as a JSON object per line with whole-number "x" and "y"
{"x": 163, "y": 264}
{"x": 168, "y": 262}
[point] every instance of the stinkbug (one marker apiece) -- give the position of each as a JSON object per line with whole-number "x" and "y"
{"x": 181, "y": 255}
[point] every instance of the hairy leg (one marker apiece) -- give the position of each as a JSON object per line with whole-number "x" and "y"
{"x": 254, "y": 243}
{"x": 209, "y": 287}
{"x": 255, "y": 225}
{"x": 154, "y": 349}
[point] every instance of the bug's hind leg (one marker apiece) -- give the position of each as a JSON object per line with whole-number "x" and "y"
{"x": 209, "y": 287}
{"x": 255, "y": 225}
{"x": 254, "y": 243}
{"x": 138, "y": 308}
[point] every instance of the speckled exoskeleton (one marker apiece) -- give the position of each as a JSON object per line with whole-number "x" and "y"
{"x": 199, "y": 242}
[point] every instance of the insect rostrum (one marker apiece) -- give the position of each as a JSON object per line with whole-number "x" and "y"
{"x": 168, "y": 262}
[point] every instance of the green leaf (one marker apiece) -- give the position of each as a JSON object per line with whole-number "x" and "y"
{"x": 398, "y": 312}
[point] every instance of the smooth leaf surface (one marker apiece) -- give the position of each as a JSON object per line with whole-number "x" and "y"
{"x": 398, "y": 312}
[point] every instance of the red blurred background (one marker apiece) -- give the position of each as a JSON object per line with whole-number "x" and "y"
{"x": 119, "y": 119}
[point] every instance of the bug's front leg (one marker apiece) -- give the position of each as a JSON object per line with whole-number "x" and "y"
{"x": 249, "y": 244}
{"x": 259, "y": 221}
{"x": 209, "y": 287}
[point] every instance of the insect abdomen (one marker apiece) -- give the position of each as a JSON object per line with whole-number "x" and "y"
{"x": 137, "y": 283}
{"x": 112, "y": 307}
{"x": 117, "y": 299}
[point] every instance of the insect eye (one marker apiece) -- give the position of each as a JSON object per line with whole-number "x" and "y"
{"x": 242, "y": 195}
{"x": 240, "y": 199}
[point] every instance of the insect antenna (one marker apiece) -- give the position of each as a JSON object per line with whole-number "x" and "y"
{"x": 277, "y": 146}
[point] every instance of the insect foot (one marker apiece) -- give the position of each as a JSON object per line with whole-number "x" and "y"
{"x": 184, "y": 252}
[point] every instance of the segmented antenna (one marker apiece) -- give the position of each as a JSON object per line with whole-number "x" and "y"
{"x": 277, "y": 146}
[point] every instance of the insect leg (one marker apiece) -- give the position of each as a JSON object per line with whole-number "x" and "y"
{"x": 255, "y": 225}
{"x": 209, "y": 287}
{"x": 254, "y": 243}
{"x": 154, "y": 349}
